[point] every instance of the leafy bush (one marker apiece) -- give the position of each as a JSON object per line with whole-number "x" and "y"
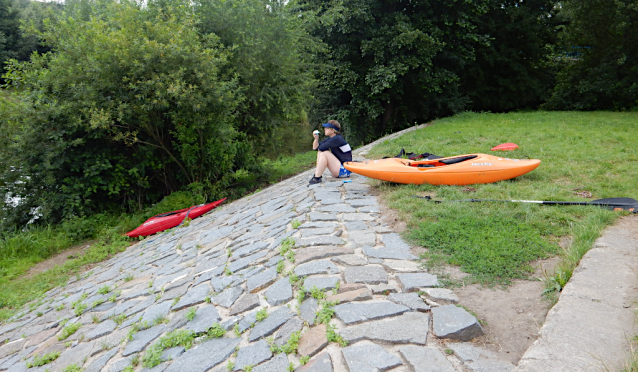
{"x": 122, "y": 113}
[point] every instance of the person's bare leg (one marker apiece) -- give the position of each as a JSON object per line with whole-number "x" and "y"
{"x": 333, "y": 163}
{"x": 322, "y": 163}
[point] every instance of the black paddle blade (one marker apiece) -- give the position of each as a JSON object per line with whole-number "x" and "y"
{"x": 625, "y": 204}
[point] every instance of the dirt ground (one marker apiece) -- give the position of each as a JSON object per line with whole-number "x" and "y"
{"x": 58, "y": 259}
{"x": 513, "y": 316}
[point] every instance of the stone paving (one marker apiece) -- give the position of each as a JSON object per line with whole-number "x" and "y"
{"x": 265, "y": 254}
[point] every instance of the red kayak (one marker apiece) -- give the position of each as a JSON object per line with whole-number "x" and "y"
{"x": 169, "y": 220}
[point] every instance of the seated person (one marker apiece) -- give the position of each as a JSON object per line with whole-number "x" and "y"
{"x": 332, "y": 152}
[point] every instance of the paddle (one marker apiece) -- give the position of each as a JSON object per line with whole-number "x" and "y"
{"x": 616, "y": 204}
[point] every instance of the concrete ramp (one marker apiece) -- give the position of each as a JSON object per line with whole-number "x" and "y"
{"x": 591, "y": 326}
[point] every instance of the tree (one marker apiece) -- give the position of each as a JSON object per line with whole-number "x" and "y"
{"x": 391, "y": 63}
{"x": 270, "y": 57}
{"x": 131, "y": 105}
{"x": 603, "y": 73}
{"x": 515, "y": 69}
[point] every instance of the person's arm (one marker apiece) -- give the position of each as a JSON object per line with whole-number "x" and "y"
{"x": 329, "y": 142}
{"x": 315, "y": 143}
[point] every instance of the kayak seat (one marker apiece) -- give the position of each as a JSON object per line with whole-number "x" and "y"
{"x": 426, "y": 166}
{"x": 166, "y": 214}
{"x": 457, "y": 160}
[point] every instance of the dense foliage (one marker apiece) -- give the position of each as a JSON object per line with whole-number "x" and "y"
{"x": 14, "y": 43}
{"x": 392, "y": 63}
{"x": 601, "y": 50}
{"x": 269, "y": 54}
{"x": 516, "y": 67}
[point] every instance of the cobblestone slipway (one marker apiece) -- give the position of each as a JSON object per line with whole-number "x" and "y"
{"x": 225, "y": 266}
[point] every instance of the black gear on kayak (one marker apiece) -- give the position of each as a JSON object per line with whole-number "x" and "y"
{"x": 413, "y": 156}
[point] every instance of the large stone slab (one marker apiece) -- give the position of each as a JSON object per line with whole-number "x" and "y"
{"x": 322, "y": 283}
{"x": 363, "y": 237}
{"x": 411, "y": 300}
{"x": 277, "y": 364}
{"x": 384, "y": 252}
{"x": 313, "y": 341}
{"x": 224, "y": 281}
{"x": 156, "y": 312}
{"x": 245, "y": 303}
{"x": 319, "y": 225}
{"x": 205, "y": 356}
{"x": 258, "y": 282}
{"x": 317, "y": 267}
{"x": 75, "y": 356}
{"x": 407, "y": 328}
{"x": 100, "y": 362}
{"x": 228, "y": 297}
{"x": 269, "y": 325}
{"x": 319, "y": 240}
{"x": 395, "y": 248}
{"x": 366, "y": 274}
{"x": 243, "y": 263}
{"x": 362, "y": 294}
{"x": 248, "y": 249}
{"x": 336, "y": 208}
{"x": 252, "y": 355}
{"x": 369, "y": 357}
{"x": 247, "y": 321}
{"x": 350, "y": 260}
{"x": 402, "y": 266}
{"x": 196, "y": 295}
{"x": 279, "y": 293}
{"x": 317, "y": 216}
{"x": 102, "y": 329}
{"x": 426, "y": 359}
{"x": 142, "y": 339}
{"x": 204, "y": 318}
{"x": 441, "y": 294}
{"x": 411, "y": 282}
{"x": 284, "y": 333}
{"x": 451, "y": 321}
{"x": 310, "y": 254}
{"x": 309, "y": 310}
{"x": 352, "y": 313}
{"x": 321, "y": 363}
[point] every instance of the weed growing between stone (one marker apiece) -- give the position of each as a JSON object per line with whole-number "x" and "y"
{"x": 42, "y": 360}
{"x": 190, "y": 315}
{"x": 68, "y": 331}
{"x": 495, "y": 242}
{"x": 261, "y": 315}
{"x": 216, "y": 331}
{"x": 180, "y": 337}
{"x": 333, "y": 336}
{"x": 290, "y": 347}
{"x": 73, "y": 368}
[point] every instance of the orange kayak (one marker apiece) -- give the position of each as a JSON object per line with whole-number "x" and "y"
{"x": 454, "y": 170}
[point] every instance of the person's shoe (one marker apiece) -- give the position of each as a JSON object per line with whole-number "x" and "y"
{"x": 314, "y": 180}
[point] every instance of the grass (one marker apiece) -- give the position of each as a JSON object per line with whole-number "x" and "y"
{"x": 496, "y": 242}
{"x": 179, "y": 337}
{"x": 21, "y": 250}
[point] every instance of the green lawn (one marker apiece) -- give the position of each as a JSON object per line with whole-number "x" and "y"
{"x": 495, "y": 242}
